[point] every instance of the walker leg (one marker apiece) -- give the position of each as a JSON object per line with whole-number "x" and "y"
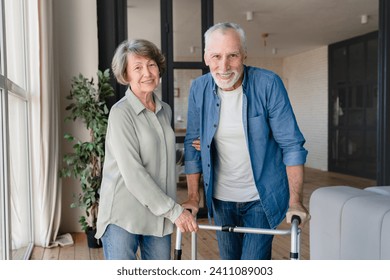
{"x": 178, "y": 251}
{"x": 194, "y": 245}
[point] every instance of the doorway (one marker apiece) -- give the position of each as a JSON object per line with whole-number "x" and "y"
{"x": 353, "y": 97}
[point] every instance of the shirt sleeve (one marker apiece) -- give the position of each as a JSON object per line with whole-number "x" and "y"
{"x": 193, "y": 163}
{"x": 284, "y": 125}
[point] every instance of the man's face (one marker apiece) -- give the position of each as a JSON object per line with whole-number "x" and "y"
{"x": 225, "y": 57}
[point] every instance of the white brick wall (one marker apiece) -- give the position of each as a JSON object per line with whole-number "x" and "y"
{"x": 306, "y": 79}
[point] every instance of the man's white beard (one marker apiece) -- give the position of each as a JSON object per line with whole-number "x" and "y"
{"x": 226, "y": 84}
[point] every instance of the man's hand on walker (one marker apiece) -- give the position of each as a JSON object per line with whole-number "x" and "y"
{"x": 298, "y": 210}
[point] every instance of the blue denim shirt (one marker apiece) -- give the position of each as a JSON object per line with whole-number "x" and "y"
{"x": 272, "y": 134}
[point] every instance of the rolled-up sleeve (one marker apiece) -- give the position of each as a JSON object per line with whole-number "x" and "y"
{"x": 295, "y": 158}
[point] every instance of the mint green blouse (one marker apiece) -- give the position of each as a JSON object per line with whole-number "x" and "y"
{"x": 138, "y": 189}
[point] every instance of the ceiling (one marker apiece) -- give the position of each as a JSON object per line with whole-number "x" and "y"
{"x": 296, "y": 26}
{"x": 293, "y": 26}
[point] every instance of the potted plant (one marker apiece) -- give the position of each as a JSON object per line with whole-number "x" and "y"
{"x": 85, "y": 162}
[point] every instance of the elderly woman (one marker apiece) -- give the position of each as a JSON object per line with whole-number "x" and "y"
{"x": 137, "y": 200}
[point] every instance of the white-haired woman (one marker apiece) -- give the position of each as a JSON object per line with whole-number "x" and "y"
{"x": 137, "y": 199}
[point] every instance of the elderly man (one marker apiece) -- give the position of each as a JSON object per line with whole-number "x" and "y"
{"x": 243, "y": 137}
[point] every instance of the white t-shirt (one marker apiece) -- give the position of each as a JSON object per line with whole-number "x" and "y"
{"x": 233, "y": 171}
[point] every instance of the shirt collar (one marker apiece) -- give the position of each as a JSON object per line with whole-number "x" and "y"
{"x": 137, "y": 105}
{"x": 245, "y": 79}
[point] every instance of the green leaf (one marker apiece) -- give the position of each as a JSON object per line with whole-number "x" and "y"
{"x": 68, "y": 137}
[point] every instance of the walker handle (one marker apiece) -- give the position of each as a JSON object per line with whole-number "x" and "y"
{"x": 296, "y": 217}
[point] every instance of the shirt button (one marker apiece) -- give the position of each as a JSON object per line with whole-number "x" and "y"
{"x": 215, "y": 125}
{"x": 208, "y": 146}
{"x": 217, "y": 104}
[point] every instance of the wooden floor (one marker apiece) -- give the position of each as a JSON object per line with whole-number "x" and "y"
{"x": 206, "y": 240}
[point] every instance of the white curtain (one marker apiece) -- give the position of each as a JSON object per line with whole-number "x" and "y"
{"x": 45, "y": 134}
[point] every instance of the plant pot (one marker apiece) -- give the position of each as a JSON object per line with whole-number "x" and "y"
{"x": 92, "y": 241}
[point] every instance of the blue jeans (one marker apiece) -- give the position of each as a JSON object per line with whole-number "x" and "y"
{"x": 242, "y": 246}
{"x": 119, "y": 244}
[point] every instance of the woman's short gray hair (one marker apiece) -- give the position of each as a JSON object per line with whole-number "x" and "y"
{"x": 139, "y": 47}
{"x": 223, "y": 26}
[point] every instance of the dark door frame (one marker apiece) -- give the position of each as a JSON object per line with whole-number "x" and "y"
{"x": 383, "y": 125}
{"x": 112, "y": 30}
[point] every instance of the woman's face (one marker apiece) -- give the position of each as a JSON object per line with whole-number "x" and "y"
{"x": 142, "y": 73}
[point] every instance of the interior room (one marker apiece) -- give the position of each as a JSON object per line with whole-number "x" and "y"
{"x": 332, "y": 56}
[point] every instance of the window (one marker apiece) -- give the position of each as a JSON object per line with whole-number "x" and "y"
{"x": 16, "y": 235}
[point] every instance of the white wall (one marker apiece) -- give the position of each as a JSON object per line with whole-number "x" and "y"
{"x": 273, "y": 64}
{"x": 306, "y": 79}
{"x": 75, "y": 25}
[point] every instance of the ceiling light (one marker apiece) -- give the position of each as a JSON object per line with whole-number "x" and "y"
{"x": 364, "y": 19}
{"x": 249, "y": 15}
